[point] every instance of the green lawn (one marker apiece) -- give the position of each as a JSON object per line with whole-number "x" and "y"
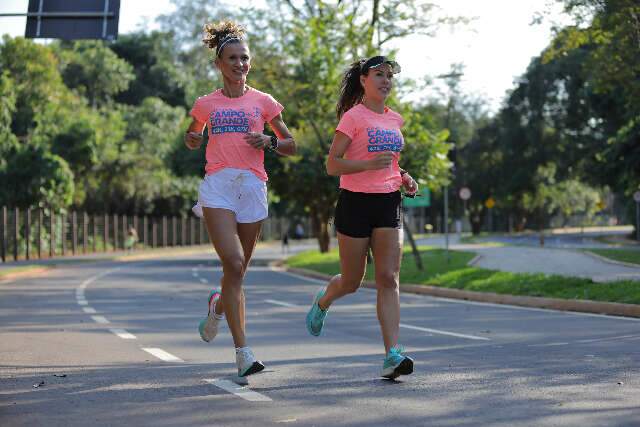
{"x": 456, "y": 274}
{"x": 624, "y": 255}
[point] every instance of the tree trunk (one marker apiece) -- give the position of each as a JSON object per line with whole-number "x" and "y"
{"x": 320, "y": 225}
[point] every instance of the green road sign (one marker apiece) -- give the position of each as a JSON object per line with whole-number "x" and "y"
{"x": 419, "y": 201}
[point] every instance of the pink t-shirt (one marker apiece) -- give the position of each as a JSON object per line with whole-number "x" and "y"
{"x": 228, "y": 120}
{"x": 372, "y": 133}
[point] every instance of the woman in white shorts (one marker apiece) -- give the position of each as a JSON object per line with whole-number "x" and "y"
{"x": 233, "y": 195}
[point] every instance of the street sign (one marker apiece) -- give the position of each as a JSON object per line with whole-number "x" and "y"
{"x": 423, "y": 200}
{"x": 636, "y": 196}
{"x": 465, "y": 193}
{"x": 73, "y": 20}
{"x": 490, "y": 203}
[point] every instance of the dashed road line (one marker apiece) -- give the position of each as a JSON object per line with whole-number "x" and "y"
{"x": 123, "y": 334}
{"x": 281, "y": 303}
{"x": 100, "y": 319}
{"x": 440, "y": 332}
{"x": 238, "y": 390}
{"x": 162, "y": 355}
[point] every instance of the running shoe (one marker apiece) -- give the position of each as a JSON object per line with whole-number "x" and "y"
{"x": 208, "y": 326}
{"x": 396, "y": 364}
{"x": 316, "y": 315}
{"x": 247, "y": 362}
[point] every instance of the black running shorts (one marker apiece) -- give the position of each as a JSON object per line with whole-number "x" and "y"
{"x": 357, "y": 214}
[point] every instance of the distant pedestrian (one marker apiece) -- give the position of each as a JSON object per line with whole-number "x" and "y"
{"x": 364, "y": 153}
{"x": 285, "y": 242}
{"x": 299, "y": 231}
{"x": 132, "y": 239}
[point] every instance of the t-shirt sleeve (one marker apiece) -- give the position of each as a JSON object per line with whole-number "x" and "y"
{"x": 271, "y": 108}
{"x": 347, "y": 125}
{"x": 199, "y": 111}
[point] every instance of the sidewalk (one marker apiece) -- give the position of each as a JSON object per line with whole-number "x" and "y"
{"x": 270, "y": 250}
{"x": 526, "y": 259}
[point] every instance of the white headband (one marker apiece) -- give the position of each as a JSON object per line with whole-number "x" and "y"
{"x": 225, "y": 41}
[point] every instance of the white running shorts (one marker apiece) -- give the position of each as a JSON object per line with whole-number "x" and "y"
{"x": 237, "y": 190}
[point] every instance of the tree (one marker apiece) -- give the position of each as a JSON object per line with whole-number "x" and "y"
{"x": 95, "y": 71}
{"x": 155, "y": 62}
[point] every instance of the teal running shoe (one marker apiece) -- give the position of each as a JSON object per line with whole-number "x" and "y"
{"x": 316, "y": 315}
{"x": 396, "y": 364}
{"x": 208, "y": 326}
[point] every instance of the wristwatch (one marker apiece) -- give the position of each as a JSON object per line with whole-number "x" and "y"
{"x": 273, "y": 145}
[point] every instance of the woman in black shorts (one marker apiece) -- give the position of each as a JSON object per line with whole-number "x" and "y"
{"x": 364, "y": 153}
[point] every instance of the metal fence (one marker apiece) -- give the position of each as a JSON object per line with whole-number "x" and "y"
{"x": 37, "y": 233}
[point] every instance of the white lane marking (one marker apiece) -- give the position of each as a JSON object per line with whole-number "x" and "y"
{"x": 297, "y": 276}
{"x": 162, "y": 355}
{"x": 82, "y": 302}
{"x": 194, "y": 274}
{"x": 238, "y": 390}
{"x": 123, "y": 334}
{"x": 438, "y": 331}
{"x": 203, "y": 280}
{"x": 551, "y": 344}
{"x": 282, "y": 303}
{"x": 620, "y": 337}
{"x": 89, "y": 310}
{"x": 100, "y": 319}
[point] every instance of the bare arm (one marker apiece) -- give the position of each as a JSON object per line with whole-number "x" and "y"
{"x": 193, "y": 137}
{"x": 337, "y": 165}
{"x": 286, "y": 143}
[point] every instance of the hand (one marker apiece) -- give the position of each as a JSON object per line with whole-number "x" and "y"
{"x": 193, "y": 140}
{"x": 257, "y": 140}
{"x": 381, "y": 161}
{"x": 410, "y": 185}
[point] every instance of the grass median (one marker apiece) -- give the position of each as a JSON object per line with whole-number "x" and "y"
{"x": 631, "y": 256}
{"x": 457, "y": 275}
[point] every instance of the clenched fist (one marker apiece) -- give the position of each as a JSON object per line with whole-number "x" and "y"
{"x": 193, "y": 140}
{"x": 381, "y": 161}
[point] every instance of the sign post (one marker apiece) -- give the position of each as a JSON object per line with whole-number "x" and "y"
{"x": 636, "y": 197}
{"x": 490, "y": 203}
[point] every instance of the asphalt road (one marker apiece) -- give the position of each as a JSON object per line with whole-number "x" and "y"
{"x": 117, "y": 344}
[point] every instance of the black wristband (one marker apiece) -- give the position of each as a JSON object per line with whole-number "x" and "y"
{"x": 273, "y": 146}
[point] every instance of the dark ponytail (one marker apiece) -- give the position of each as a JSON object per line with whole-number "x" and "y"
{"x": 351, "y": 91}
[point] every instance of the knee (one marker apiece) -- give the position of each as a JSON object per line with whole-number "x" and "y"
{"x": 387, "y": 280}
{"x": 234, "y": 267}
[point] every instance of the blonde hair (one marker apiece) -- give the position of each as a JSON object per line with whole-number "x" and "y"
{"x": 216, "y": 36}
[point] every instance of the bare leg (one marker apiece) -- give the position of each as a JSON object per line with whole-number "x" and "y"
{"x": 224, "y": 233}
{"x": 248, "y": 234}
{"x": 353, "y": 262}
{"x": 386, "y": 244}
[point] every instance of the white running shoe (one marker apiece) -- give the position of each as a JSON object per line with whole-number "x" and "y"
{"x": 208, "y": 327}
{"x": 247, "y": 362}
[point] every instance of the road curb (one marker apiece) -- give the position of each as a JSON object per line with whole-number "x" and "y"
{"x": 475, "y": 260}
{"x": 611, "y": 261}
{"x": 582, "y": 306}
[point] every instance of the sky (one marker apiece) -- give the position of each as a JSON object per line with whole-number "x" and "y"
{"x": 496, "y": 47}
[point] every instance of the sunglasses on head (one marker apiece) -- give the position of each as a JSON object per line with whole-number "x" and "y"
{"x": 377, "y": 61}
